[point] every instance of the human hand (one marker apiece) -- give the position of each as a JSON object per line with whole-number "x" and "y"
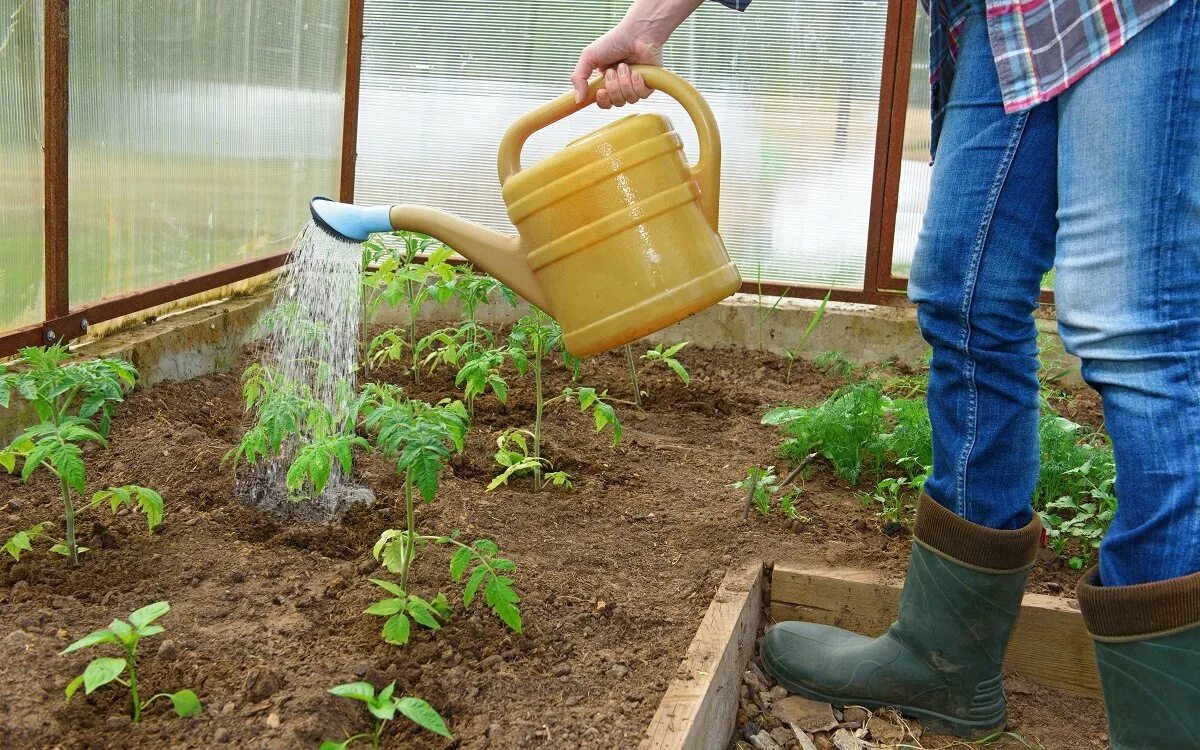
{"x": 637, "y": 39}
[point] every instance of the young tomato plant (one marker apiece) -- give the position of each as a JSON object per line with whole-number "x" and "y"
{"x": 761, "y": 485}
{"x": 657, "y": 355}
{"x": 420, "y": 438}
{"x": 290, "y": 421}
{"x": 105, "y": 669}
{"x": 74, "y": 403}
{"x": 534, "y": 338}
{"x": 383, "y": 708}
{"x": 512, "y": 452}
{"x": 400, "y": 280}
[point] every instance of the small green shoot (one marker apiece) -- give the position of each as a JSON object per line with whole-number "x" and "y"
{"x": 123, "y": 671}
{"x": 383, "y": 708}
{"x": 791, "y": 354}
{"x": 512, "y": 452}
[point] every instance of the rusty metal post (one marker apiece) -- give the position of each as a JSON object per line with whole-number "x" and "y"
{"x": 354, "y": 45}
{"x": 57, "y": 51}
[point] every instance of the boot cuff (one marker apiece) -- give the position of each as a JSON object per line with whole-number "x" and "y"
{"x": 1141, "y": 611}
{"x": 991, "y": 550}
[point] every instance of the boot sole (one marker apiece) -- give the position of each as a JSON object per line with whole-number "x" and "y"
{"x": 930, "y": 720}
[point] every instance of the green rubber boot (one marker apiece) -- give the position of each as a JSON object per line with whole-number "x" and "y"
{"x": 940, "y": 661}
{"x": 1147, "y": 641}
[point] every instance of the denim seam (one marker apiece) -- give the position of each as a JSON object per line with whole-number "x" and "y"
{"x": 977, "y": 250}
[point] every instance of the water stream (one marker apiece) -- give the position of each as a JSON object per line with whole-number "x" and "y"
{"x": 312, "y": 336}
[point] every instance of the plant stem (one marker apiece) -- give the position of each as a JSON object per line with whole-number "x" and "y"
{"x": 69, "y": 511}
{"x": 537, "y": 419}
{"x": 637, "y": 390}
{"x": 131, "y": 663}
{"x": 410, "y": 541}
{"x": 377, "y": 734}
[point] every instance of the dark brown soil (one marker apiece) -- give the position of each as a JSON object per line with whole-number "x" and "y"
{"x": 266, "y": 614}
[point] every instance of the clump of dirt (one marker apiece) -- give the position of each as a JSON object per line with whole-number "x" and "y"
{"x": 267, "y": 611}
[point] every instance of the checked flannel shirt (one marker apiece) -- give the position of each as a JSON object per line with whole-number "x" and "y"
{"x": 1041, "y": 47}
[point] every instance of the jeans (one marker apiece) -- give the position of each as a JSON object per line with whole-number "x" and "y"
{"x": 1102, "y": 183}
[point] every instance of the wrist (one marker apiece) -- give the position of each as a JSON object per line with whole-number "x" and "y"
{"x": 653, "y": 21}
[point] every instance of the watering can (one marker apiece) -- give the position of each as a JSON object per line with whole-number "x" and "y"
{"x": 617, "y": 234}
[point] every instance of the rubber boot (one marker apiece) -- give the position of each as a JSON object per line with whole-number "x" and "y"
{"x": 940, "y": 660}
{"x": 1147, "y": 641}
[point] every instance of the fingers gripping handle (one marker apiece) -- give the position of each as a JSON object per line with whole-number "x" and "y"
{"x": 706, "y": 171}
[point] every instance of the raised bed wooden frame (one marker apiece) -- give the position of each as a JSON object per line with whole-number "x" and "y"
{"x": 1049, "y": 645}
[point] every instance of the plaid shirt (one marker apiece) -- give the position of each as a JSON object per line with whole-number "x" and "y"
{"x": 1040, "y": 46}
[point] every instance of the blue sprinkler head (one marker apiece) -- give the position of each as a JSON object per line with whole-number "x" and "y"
{"x": 348, "y": 222}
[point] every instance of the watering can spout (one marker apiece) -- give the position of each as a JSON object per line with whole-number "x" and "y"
{"x": 495, "y": 254}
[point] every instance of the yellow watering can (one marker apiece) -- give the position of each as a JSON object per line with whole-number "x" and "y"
{"x": 617, "y": 233}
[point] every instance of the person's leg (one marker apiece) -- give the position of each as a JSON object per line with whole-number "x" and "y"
{"x": 1128, "y": 294}
{"x": 987, "y": 241}
{"x": 1128, "y": 285}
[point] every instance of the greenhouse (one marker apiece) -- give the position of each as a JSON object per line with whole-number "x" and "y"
{"x": 658, "y": 374}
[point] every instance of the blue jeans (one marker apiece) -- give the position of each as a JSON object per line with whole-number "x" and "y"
{"x": 1104, "y": 184}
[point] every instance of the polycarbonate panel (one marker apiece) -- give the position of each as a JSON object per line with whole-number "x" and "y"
{"x": 915, "y": 169}
{"x": 21, "y": 186}
{"x": 794, "y": 85}
{"x": 199, "y": 131}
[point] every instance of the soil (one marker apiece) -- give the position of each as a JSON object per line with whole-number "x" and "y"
{"x": 266, "y": 613}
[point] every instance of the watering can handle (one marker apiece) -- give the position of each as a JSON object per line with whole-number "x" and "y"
{"x": 707, "y": 170}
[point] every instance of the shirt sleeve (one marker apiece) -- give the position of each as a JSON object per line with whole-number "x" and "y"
{"x": 735, "y": 4}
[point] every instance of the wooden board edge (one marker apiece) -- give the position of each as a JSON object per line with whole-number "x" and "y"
{"x": 1049, "y": 646}
{"x": 699, "y": 709}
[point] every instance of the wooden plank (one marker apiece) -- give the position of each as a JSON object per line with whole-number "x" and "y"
{"x": 700, "y": 706}
{"x": 1049, "y": 645}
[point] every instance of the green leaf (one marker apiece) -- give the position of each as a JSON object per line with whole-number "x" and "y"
{"x": 442, "y": 606}
{"x": 386, "y": 694}
{"x": 151, "y": 504}
{"x": 8, "y": 461}
{"x": 359, "y": 691}
{"x": 424, "y": 715}
{"x": 331, "y": 745}
{"x": 186, "y": 703}
{"x": 679, "y": 370}
{"x": 68, "y": 462}
{"x": 149, "y": 613}
{"x": 385, "y": 608}
{"x": 423, "y": 613}
{"x": 101, "y": 672}
{"x": 73, "y": 686}
{"x": 149, "y": 630}
{"x": 671, "y": 352}
{"x": 22, "y": 541}
{"x": 509, "y": 614}
{"x": 91, "y": 639}
{"x": 61, "y": 549}
{"x": 389, "y": 587}
{"x": 396, "y": 630}
{"x": 121, "y": 629}
{"x": 473, "y": 584}
{"x": 459, "y": 562}
{"x": 424, "y": 472}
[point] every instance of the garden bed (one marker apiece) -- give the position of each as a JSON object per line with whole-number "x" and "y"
{"x": 616, "y": 575}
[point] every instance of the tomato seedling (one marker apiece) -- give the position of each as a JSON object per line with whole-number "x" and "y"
{"x": 383, "y": 708}
{"x": 290, "y": 421}
{"x": 105, "y": 669}
{"x": 397, "y": 278}
{"x": 535, "y": 337}
{"x": 420, "y": 439}
{"x": 512, "y": 452}
{"x": 74, "y": 402}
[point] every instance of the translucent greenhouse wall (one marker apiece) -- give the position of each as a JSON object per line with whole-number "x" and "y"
{"x": 21, "y": 186}
{"x": 915, "y": 168}
{"x": 198, "y": 133}
{"x": 794, "y": 85}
